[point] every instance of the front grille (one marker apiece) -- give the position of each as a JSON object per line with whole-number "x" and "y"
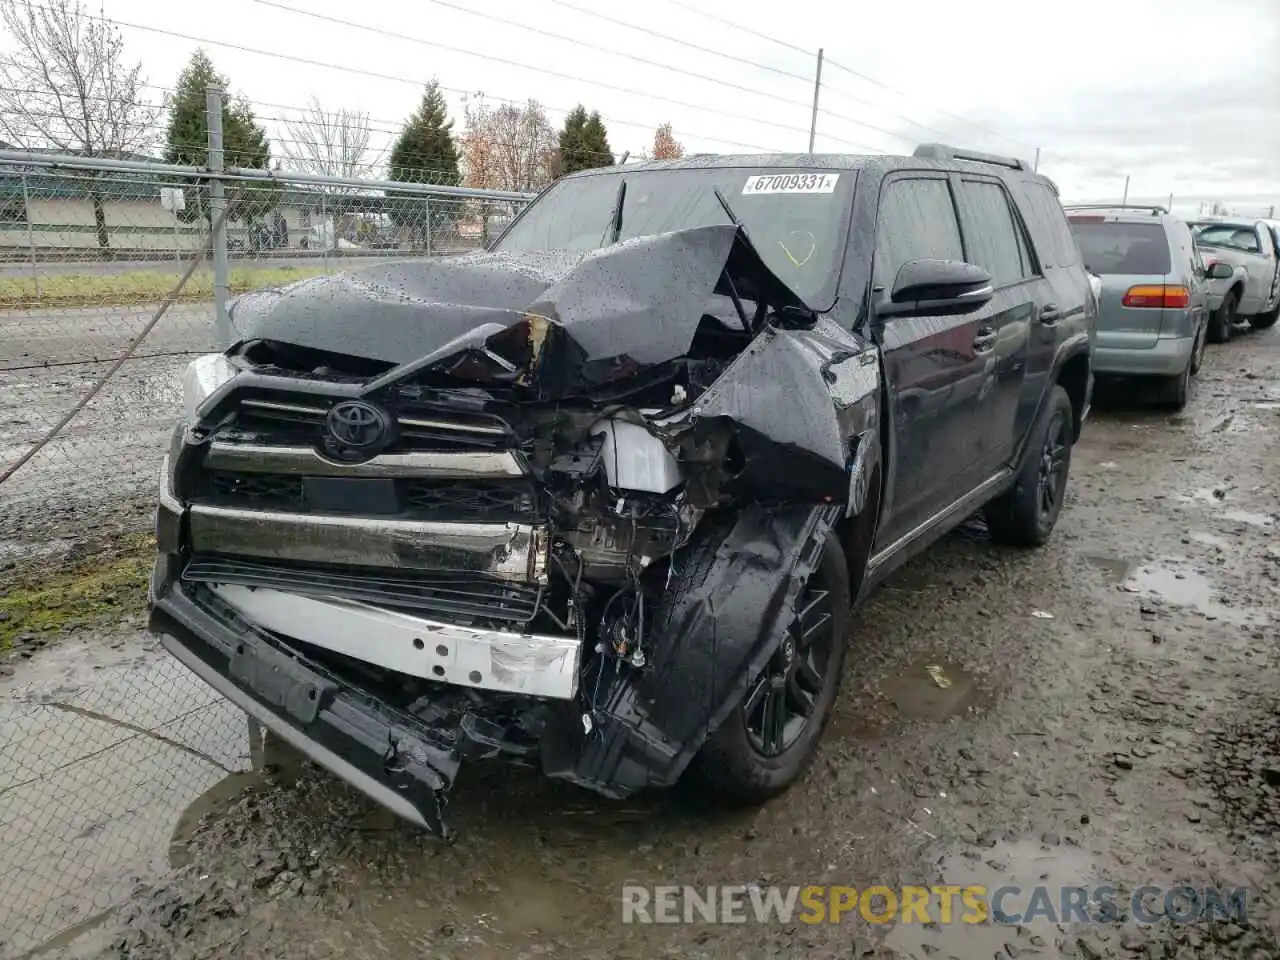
{"x": 288, "y": 419}
{"x": 262, "y": 490}
{"x": 443, "y": 594}
{"x": 508, "y": 500}
{"x": 475, "y": 501}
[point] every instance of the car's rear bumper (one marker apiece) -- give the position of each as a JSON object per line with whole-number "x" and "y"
{"x": 1166, "y": 357}
{"x": 386, "y": 754}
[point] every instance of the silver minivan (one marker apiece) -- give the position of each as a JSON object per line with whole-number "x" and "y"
{"x": 1152, "y": 310}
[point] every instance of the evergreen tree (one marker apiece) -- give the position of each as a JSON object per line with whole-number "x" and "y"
{"x": 244, "y": 141}
{"x": 584, "y": 142}
{"x": 425, "y": 153}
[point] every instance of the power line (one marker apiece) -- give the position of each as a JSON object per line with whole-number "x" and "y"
{"x": 946, "y": 113}
{"x": 808, "y": 53}
{"x": 754, "y": 91}
{"x": 351, "y": 24}
{"x": 356, "y": 71}
{"x": 710, "y": 51}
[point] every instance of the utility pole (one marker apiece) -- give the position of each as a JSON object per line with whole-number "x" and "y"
{"x": 817, "y": 86}
{"x": 218, "y": 203}
{"x": 1035, "y": 166}
{"x": 1125, "y": 201}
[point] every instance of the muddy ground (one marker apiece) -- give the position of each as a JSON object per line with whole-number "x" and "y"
{"x": 1130, "y": 737}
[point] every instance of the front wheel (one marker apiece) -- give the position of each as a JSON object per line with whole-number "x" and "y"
{"x": 766, "y": 743}
{"x": 1025, "y": 515}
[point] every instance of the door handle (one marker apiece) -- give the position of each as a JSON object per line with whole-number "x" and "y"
{"x": 1050, "y": 314}
{"x": 985, "y": 340}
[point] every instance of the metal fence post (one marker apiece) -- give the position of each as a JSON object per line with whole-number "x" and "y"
{"x": 217, "y": 203}
{"x": 31, "y": 241}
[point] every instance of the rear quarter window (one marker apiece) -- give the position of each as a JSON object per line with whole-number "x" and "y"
{"x": 1048, "y": 225}
{"x": 1116, "y": 247}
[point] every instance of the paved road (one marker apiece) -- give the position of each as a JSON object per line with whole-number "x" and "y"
{"x": 1112, "y": 716}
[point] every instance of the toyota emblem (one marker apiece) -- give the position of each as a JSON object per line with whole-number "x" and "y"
{"x": 358, "y": 427}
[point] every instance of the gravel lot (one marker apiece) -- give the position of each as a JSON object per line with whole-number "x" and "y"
{"x": 1130, "y": 737}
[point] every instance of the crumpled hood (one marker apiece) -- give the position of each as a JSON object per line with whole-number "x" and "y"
{"x": 630, "y": 304}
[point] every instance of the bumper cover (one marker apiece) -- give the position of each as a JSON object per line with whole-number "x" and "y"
{"x": 387, "y": 755}
{"x": 1168, "y": 357}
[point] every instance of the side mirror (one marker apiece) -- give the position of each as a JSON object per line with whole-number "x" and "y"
{"x": 930, "y": 288}
{"x": 1220, "y": 271}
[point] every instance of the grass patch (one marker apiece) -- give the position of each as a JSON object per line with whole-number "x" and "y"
{"x": 137, "y": 286}
{"x": 90, "y": 591}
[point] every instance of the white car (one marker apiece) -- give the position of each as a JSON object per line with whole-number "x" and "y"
{"x": 1242, "y": 264}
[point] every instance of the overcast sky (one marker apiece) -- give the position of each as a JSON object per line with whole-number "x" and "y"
{"x": 1181, "y": 95}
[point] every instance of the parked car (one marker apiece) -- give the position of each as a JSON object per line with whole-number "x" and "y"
{"x": 1250, "y": 288}
{"x": 1152, "y": 314}
{"x": 599, "y": 499}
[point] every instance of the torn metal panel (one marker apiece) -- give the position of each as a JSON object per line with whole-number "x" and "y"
{"x": 797, "y": 398}
{"x": 552, "y": 323}
{"x": 729, "y": 604}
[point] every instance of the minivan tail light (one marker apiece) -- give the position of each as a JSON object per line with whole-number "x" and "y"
{"x": 1160, "y": 296}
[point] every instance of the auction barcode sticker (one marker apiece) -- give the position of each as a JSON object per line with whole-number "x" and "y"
{"x": 791, "y": 183}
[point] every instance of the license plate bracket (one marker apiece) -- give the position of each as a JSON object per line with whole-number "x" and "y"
{"x": 279, "y": 680}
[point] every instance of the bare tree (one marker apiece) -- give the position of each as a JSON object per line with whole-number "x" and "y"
{"x": 65, "y": 85}
{"x": 510, "y": 148}
{"x": 665, "y": 145}
{"x": 332, "y": 143}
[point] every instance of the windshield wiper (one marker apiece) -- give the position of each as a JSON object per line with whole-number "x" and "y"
{"x": 747, "y": 325}
{"x": 615, "y": 219}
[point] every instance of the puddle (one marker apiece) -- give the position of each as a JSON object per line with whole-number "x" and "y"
{"x": 104, "y": 745}
{"x": 216, "y": 800}
{"x": 932, "y": 690}
{"x": 1183, "y": 587}
{"x": 1113, "y": 568}
{"x": 1018, "y": 867}
{"x": 1252, "y": 519}
{"x": 1218, "y": 496}
{"x": 1209, "y": 540}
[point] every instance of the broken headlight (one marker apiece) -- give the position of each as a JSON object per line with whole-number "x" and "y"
{"x": 203, "y": 376}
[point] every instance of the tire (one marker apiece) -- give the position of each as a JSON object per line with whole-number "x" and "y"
{"x": 1222, "y": 323}
{"x": 737, "y": 765}
{"x": 1025, "y": 515}
{"x": 1197, "y": 354}
{"x": 1173, "y": 391}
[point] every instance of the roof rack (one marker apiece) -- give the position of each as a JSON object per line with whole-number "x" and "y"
{"x": 1154, "y": 208}
{"x": 940, "y": 151}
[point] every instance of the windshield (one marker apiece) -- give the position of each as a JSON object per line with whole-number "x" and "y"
{"x": 1111, "y": 247}
{"x": 1232, "y": 235}
{"x": 797, "y": 218}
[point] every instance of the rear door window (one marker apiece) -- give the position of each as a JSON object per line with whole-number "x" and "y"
{"x": 1116, "y": 247}
{"x": 990, "y": 232}
{"x": 917, "y": 221}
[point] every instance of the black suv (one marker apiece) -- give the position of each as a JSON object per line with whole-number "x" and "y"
{"x": 600, "y": 498}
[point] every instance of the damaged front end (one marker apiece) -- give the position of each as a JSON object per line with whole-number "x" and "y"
{"x": 568, "y": 534}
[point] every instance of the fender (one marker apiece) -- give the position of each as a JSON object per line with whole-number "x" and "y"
{"x": 724, "y": 613}
{"x": 1070, "y": 348}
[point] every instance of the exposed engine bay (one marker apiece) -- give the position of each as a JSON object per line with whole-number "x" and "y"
{"x": 562, "y": 533}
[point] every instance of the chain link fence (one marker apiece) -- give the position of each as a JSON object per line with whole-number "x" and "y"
{"x": 105, "y": 746}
